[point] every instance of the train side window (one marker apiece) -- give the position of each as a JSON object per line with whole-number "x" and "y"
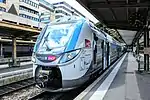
{"x": 102, "y": 44}
{"x": 95, "y": 38}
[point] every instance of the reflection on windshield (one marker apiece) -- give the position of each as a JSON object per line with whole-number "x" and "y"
{"x": 56, "y": 36}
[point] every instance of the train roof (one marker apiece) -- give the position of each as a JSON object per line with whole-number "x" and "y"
{"x": 105, "y": 35}
{"x": 67, "y": 19}
{"x": 111, "y": 39}
{"x": 99, "y": 34}
{"x": 108, "y": 37}
{"x": 97, "y": 31}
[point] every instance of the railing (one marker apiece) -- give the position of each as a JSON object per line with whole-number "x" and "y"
{"x": 140, "y": 60}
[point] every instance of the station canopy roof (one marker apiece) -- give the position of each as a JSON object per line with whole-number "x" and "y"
{"x": 128, "y": 16}
{"x": 127, "y": 36}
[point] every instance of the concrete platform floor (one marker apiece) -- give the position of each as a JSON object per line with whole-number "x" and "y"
{"x": 128, "y": 83}
{"x": 123, "y": 83}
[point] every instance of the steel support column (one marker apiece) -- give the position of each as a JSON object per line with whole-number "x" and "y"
{"x": 147, "y": 38}
{"x": 1, "y": 50}
{"x": 138, "y": 47}
{"x": 146, "y": 44}
{"x": 14, "y": 52}
{"x": 145, "y": 47}
{"x": 148, "y": 24}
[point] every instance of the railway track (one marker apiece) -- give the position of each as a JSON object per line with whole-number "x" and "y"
{"x": 47, "y": 96}
{"x": 37, "y": 95}
{"x": 4, "y": 90}
{"x": 68, "y": 95}
{"x": 54, "y": 96}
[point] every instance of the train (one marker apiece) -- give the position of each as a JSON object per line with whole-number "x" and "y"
{"x": 69, "y": 51}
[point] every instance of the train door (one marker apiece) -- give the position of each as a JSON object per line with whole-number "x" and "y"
{"x": 107, "y": 54}
{"x": 104, "y": 55}
{"x": 95, "y": 50}
{"x": 98, "y": 53}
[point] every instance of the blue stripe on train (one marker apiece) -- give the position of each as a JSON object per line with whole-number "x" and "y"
{"x": 74, "y": 38}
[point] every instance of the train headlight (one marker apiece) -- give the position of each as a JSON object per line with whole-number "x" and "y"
{"x": 33, "y": 58}
{"x": 69, "y": 56}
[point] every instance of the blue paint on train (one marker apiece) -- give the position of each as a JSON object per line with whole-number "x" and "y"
{"x": 71, "y": 45}
{"x": 113, "y": 45}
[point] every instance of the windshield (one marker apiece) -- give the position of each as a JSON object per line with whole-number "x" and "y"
{"x": 56, "y": 36}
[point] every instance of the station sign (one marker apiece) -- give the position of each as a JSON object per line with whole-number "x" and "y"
{"x": 147, "y": 50}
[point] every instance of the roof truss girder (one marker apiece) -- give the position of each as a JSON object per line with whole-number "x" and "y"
{"x": 118, "y": 4}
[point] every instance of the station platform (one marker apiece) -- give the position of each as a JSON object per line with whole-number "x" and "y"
{"x": 14, "y": 74}
{"x": 6, "y": 66}
{"x": 123, "y": 83}
{"x": 11, "y": 69}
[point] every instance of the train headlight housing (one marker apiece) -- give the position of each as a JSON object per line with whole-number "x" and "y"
{"x": 69, "y": 56}
{"x": 33, "y": 58}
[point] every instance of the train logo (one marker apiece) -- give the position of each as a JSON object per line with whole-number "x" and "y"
{"x": 87, "y": 43}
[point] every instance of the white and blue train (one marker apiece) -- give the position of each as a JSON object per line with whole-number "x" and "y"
{"x": 69, "y": 51}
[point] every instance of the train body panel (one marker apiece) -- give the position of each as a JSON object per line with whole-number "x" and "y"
{"x": 68, "y": 52}
{"x": 79, "y": 62}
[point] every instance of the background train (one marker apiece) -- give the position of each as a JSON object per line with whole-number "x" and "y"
{"x": 69, "y": 51}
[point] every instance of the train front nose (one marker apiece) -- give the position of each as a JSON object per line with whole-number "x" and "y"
{"x": 48, "y": 77}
